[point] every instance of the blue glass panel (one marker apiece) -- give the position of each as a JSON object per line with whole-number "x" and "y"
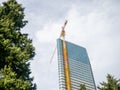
{"x": 59, "y": 47}
{"x": 75, "y": 52}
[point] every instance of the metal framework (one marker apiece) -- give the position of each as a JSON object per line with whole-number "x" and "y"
{"x": 65, "y": 58}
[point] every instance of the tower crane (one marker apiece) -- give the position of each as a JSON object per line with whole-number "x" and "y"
{"x": 62, "y": 35}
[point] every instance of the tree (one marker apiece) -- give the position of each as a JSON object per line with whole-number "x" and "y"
{"x": 16, "y": 49}
{"x": 111, "y": 84}
{"x": 82, "y": 87}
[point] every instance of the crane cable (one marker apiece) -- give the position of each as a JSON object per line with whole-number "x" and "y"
{"x": 53, "y": 54}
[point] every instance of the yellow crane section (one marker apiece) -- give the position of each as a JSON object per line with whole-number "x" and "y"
{"x": 66, "y": 66}
{"x": 63, "y": 30}
{"x": 65, "y": 58}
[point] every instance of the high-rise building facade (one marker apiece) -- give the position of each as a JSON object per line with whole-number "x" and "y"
{"x": 76, "y": 70}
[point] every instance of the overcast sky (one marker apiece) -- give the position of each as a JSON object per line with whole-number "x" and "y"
{"x": 93, "y": 24}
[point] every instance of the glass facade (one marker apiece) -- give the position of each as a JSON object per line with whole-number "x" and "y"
{"x": 79, "y": 67}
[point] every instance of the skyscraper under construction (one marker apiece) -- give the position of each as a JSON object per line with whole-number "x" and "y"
{"x": 74, "y": 66}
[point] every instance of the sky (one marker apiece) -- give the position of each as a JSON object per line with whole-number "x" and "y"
{"x": 93, "y": 24}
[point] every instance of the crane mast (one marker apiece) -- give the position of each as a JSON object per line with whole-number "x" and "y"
{"x": 65, "y": 59}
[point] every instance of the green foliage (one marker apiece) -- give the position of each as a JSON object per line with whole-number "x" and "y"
{"x": 11, "y": 82}
{"x": 82, "y": 87}
{"x": 16, "y": 49}
{"x": 111, "y": 84}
